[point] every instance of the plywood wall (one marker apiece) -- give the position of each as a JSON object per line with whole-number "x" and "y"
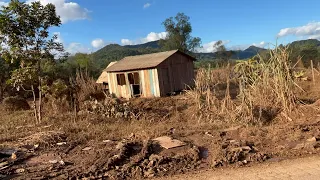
{"x": 149, "y": 84}
{"x": 175, "y": 74}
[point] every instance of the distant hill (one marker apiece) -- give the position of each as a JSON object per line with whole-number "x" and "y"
{"x": 245, "y": 54}
{"x": 309, "y": 42}
{"x": 114, "y": 52}
{"x": 152, "y": 44}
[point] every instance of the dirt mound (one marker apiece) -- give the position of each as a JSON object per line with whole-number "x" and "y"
{"x": 110, "y": 108}
{"x": 239, "y": 153}
{"x": 15, "y": 103}
{"x": 142, "y": 160}
{"x": 44, "y": 139}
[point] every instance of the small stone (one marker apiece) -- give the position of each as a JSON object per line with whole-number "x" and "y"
{"x": 131, "y": 135}
{"x": 86, "y": 149}
{"x": 19, "y": 171}
{"x": 36, "y": 146}
{"x": 119, "y": 145}
{"x": 13, "y": 156}
{"x": 208, "y": 134}
{"x": 313, "y": 139}
{"x": 62, "y": 163}
{"x": 53, "y": 161}
{"x": 246, "y": 148}
{"x": 107, "y": 141}
{"x": 61, "y": 143}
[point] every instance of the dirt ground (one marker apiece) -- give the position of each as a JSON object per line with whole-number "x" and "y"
{"x": 95, "y": 145}
{"x": 292, "y": 169}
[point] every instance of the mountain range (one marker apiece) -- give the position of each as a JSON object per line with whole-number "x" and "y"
{"x": 114, "y": 52}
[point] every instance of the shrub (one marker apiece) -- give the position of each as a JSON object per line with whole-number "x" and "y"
{"x": 15, "y": 103}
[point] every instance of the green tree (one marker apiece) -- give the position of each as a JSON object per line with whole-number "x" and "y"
{"x": 223, "y": 56}
{"x": 179, "y": 31}
{"x": 24, "y": 30}
{"x": 4, "y": 76}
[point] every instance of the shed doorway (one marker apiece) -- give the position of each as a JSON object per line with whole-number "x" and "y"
{"x": 134, "y": 82}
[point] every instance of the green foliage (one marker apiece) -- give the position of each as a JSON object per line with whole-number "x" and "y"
{"x": 306, "y": 50}
{"x": 23, "y": 76}
{"x": 179, "y": 31}
{"x": 25, "y": 32}
{"x": 113, "y": 52}
{"x": 222, "y": 54}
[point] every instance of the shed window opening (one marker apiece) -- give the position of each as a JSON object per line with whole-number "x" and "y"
{"x": 134, "y": 78}
{"x": 121, "y": 79}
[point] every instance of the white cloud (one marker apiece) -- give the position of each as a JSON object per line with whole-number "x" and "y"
{"x": 98, "y": 43}
{"x": 59, "y": 37}
{"x": 150, "y": 37}
{"x": 3, "y": 3}
{"x": 261, "y": 44}
{"x": 126, "y": 42}
{"x": 145, "y": 6}
{"x": 75, "y": 47}
{"x": 239, "y": 47}
{"x": 209, "y": 47}
{"x": 68, "y": 11}
{"x": 309, "y": 31}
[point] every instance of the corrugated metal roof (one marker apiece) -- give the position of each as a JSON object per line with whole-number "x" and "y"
{"x": 141, "y": 61}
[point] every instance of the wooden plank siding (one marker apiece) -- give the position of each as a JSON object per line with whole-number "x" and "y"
{"x": 175, "y": 73}
{"x": 149, "y": 84}
{"x": 172, "y": 74}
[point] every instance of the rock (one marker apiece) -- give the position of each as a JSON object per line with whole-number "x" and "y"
{"x": 86, "y": 149}
{"x": 53, "y": 161}
{"x": 169, "y": 143}
{"x": 233, "y": 141}
{"x": 36, "y": 146}
{"x": 208, "y": 134}
{"x": 149, "y": 173}
{"x": 20, "y": 170}
{"x": 61, "y": 143}
{"x": 107, "y": 141}
{"x": 246, "y": 148}
{"x": 61, "y": 162}
{"x": 120, "y": 145}
{"x": 313, "y": 139}
{"x": 13, "y": 156}
{"x": 131, "y": 135}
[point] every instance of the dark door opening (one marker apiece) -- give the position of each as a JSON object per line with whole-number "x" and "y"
{"x": 134, "y": 81}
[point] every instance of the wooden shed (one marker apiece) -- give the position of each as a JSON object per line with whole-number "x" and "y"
{"x": 151, "y": 75}
{"x": 103, "y": 78}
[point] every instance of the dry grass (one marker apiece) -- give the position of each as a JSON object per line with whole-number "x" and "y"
{"x": 266, "y": 89}
{"x": 86, "y": 87}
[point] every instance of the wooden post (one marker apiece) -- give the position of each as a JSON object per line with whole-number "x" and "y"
{"x": 312, "y": 72}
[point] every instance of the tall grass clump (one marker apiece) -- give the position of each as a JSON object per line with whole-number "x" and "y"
{"x": 205, "y": 94}
{"x": 266, "y": 87}
{"x": 86, "y": 88}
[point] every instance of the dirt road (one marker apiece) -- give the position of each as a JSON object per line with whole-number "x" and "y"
{"x": 304, "y": 168}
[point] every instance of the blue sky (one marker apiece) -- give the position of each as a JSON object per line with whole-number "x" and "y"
{"x": 90, "y": 24}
